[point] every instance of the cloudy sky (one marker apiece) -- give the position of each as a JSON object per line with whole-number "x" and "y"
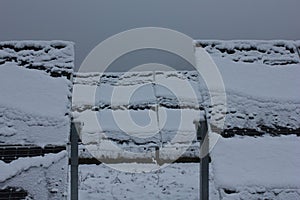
{"x": 89, "y": 22}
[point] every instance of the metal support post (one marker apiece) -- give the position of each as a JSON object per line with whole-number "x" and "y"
{"x": 74, "y": 162}
{"x": 202, "y": 136}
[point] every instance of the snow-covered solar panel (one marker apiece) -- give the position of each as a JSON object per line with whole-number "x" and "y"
{"x": 261, "y": 129}
{"x": 35, "y": 89}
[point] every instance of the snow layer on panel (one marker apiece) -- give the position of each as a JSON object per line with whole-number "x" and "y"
{"x": 244, "y": 162}
{"x": 139, "y": 125}
{"x": 34, "y": 107}
{"x": 113, "y": 78}
{"x": 271, "y": 53}
{"x": 173, "y": 129}
{"x": 130, "y": 95}
{"x": 177, "y": 119}
{"x": 259, "y": 80}
{"x": 136, "y": 89}
{"x": 258, "y": 93}
{"x": 32, "y": 91}
{"x": 92, "y": 78}
{"x": 42, "y": 177}
{"x": 115, "y": 90}
{"x": 178, "y": 88}
{"x": 100, "y": 130}
{"x": 274, "y": 114}
{"x": 131, "y": 122}
{"x": 127, "y": 78}
{"x": 107, "y": 128}
{"x": 53, "y": 57}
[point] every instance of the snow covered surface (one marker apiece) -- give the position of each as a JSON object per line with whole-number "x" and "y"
{"x": 261, "y": 82}
{"x": 272, "y": 53}
{"x": 135, "y": 89}
{"x": 130, "y": 110}
{"x": 272, "y": 162}
{"x": 35, "y": 93}
{"x": 270, "y": 90}
{"x": 241, "y": 168}
{"x": 53, "y": 57}
{"x": 34, "y": 106}
{"x": 263, "y": 92}
{"x": 176, "y": 181}
{"x": 38, "y": 175}
{"x": 179, "y": 181}
{"x": 268, "y": 99}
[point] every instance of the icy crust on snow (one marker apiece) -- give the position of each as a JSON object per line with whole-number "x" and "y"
{"x": 176, "y": 181}
{"x": 53, "y": 57}
{"x": 252, "y": 168}
{"x": 42, "y": 177}
{"x": 272, "y": 53}
{"x": 34, "y": 107}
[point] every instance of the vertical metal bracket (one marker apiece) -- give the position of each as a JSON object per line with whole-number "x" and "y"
{"x": 202, "y": 136}
{"x": 74, "y": 160}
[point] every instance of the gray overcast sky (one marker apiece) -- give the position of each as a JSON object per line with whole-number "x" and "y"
{"x": 88, "y": 22}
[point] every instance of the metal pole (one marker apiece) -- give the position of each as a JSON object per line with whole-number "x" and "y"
{"x": 202, "y": 136}
{"x": 74, "y": 162}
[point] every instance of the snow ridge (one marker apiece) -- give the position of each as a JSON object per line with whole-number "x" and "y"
{"x": 273, "y": 53}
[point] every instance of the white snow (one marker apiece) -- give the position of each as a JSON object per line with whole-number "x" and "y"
{"x": 260, "y": 81}
{"x": 32, "y": 91}
{"x": 270, "y": 105}
{"x": 179, "y": 181}
{"x": 142, "y": 128}
{"x": 51, "y": 56}
{"x": 272, "y": 162}
{"x": 42, "y": 177}
{"x": 257, "y": 93}
{"x": 272, "y": 53}
{"x": 35, "y": 111}
{"x": 33, "y": 107}
{"x": 177, "y": 88}
{"x": 10, "y": 170}
{"x": 127, "y": 120}
{"x": 261, "y": 85}
{"x": 176, "y": 181}
{"x": 107, "y": 94}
